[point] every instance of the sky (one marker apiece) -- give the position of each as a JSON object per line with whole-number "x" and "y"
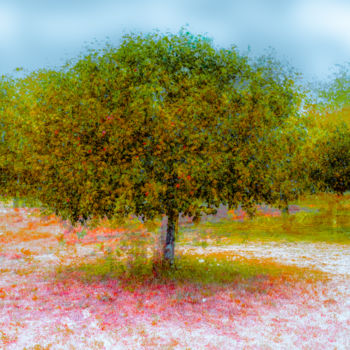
{"x": 312, "y": 35}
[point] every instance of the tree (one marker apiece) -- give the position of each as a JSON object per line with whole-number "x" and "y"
{"x": 5, "y": 91}
{"x": 10, "y": 138}
{"x": 328, "y": 154}
{"x": 285, "y": 170}
{"x": 335, "y": 93}
{"x": 163, "y": 124}
{"x": 15, "y": 126}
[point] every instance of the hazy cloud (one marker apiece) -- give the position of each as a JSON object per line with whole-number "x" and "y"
{"x": 313, "y": 34}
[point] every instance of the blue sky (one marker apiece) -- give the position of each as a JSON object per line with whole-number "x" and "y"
{"x": 313, "y": 35}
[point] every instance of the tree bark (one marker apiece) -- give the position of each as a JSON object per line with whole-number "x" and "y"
{"x": 285, "y": 210}
{"x": 169, "y": 246}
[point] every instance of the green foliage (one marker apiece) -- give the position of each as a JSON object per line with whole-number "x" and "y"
{"x": 335, "y": 94}
{"x": 16, "y": 129}
{"x": 327, "y": 154}
{"x": 331, "y": 166}
{"x": 7, "y": 152}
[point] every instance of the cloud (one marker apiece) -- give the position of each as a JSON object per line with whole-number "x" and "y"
{"x": 321, "y": 30}
{"x": 9, "y": 23}
{"x": 327, "y": 20}
{"x": 313, "y": 34}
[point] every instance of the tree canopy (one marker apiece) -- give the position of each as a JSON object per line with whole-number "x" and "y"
{"x": 11, "y": 139}
{"x": 162, "y": 124}
{"x": 328, "y": 152}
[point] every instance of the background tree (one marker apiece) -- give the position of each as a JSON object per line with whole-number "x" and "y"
{"x": 11, "y": 139}
{"x": 329, "y": 151}
{"x": 163, "y": 124}
{"x": 335, "y": 93}
{"x": 5, "y": 92}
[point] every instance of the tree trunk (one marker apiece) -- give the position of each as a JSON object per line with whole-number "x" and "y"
{"x": 16, "y": 201}
{"x": 169, "y": 246}
{"x": 285, "y": 210}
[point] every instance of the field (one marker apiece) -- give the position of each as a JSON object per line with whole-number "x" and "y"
{"x": 275, "y": 282}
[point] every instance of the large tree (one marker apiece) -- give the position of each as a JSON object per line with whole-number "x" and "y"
{"x": 162, "y": 124}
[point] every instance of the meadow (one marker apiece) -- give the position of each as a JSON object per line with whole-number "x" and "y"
{"x": 278, "y": 281}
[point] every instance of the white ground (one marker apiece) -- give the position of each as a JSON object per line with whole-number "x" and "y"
{"x": 290, "y": 327}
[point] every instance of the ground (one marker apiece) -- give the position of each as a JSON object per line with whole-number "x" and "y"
{"x": 47, "y": 304}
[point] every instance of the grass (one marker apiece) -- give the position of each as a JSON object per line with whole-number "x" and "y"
{"x": 216, "y": 269}
{"x": 322, "y": 220}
